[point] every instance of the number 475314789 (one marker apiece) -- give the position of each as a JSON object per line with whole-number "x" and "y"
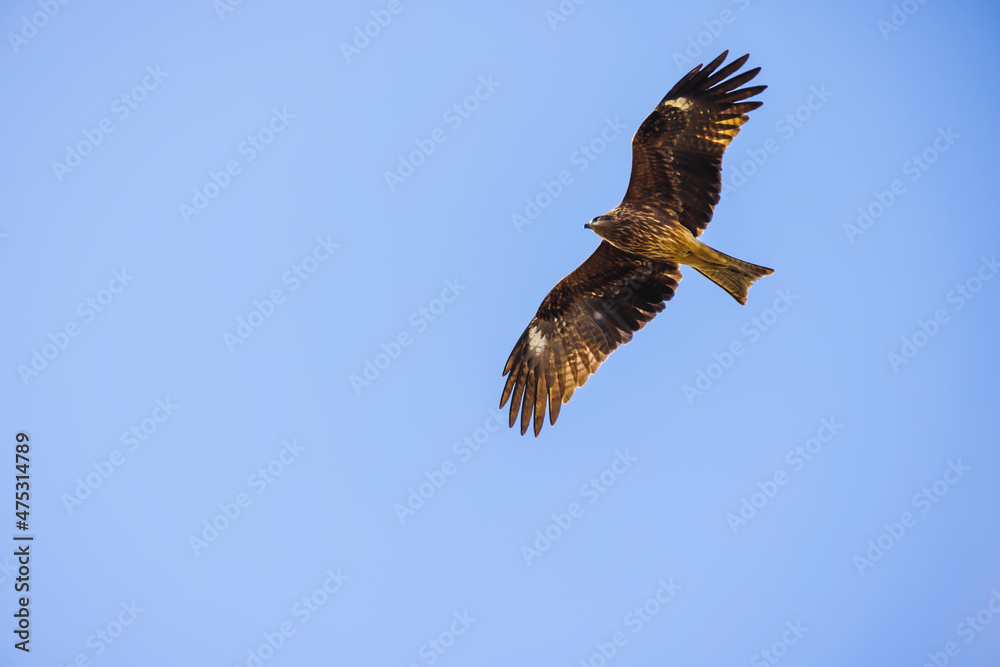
{"x": 22, "y": 486}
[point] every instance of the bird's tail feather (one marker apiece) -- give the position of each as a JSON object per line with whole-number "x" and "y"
{"x": 735, "y": 276}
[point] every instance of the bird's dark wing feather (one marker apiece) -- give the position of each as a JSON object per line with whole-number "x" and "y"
{"x": 581, "y": 321}
{"x": 677, "y": 151}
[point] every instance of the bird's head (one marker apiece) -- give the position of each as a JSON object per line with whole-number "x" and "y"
{"x": 599, "y": 224}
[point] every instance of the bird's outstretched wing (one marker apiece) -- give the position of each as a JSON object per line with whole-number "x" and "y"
{"x": 581, "y": 321}
{"x": 677, "y": 151}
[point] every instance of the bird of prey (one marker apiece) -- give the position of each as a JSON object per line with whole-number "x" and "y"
{"x": 673, "y": 189}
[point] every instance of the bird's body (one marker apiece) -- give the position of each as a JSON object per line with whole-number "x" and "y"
{"x": 645, "y": 233}
{"x": 675, "y": 183}
{"x": 663, "y": 238}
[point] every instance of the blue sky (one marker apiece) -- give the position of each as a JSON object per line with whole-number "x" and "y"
{"x": 264, "y": 270}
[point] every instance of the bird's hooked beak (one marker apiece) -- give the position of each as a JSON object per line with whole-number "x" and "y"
{"x": 593, "y": 223}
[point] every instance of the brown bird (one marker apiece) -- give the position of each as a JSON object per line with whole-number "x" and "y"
{"x": 673, "y": 189}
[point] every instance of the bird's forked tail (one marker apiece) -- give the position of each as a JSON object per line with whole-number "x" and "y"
{"x": 731, "y": 274}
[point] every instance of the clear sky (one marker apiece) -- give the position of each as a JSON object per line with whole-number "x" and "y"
{"x": 264, "y": 263}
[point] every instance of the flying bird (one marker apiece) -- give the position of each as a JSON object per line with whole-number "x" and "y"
{"x": 672, "y": 192}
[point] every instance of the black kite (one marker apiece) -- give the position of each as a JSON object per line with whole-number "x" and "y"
{"x": 674, "y": 187}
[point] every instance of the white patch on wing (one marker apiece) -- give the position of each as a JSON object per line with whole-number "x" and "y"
{"x": 681, "y": 103}
{"x": 536, "y": 341}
